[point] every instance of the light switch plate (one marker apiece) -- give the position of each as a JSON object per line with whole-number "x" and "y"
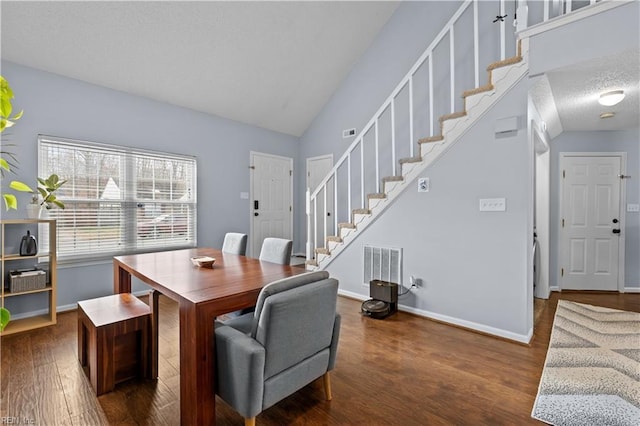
{"x": 244, "y": 195}
{"x": 633, "y": 208}
{"x": 493, "y": 204}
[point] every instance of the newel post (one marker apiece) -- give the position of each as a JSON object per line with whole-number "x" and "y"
{"x": 308, "y": 211}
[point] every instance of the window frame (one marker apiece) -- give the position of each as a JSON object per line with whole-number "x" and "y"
{"x": 129, "y": 240}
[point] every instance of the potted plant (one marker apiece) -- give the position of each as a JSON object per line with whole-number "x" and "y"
{"x": 45, "y": 198}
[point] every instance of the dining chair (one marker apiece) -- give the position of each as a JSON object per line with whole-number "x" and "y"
{"x": 276, "y": 250}
{"x": 288, "y": 342}
{"x": 235, "y": 243}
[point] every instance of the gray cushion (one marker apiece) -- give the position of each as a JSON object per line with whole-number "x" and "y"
{"x": 235, "y": 243}
{"x": 295, "y": 324}
{"x": 276, "y": 250}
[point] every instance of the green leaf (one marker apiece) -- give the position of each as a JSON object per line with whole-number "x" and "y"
{"x": 5, "y": 107}
{"x": 58, "y": 203}
{"x": 4, "y": 164}
{"x": 19, "y": 186}
{"x": 43, "y": 192}
{"x": 10, "y": 201}
{"x": 5, "y": 88}
{"x": 42, "y": 182}
{"x": 3, "y": 124}
{"x": 18, "y": 116}
{"x": 5, "y": 317}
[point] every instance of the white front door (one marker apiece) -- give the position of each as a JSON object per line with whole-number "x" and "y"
{"x": 271, "y": 199}
{"x": 317, "y": 169}
{"x": 590, "y": 222}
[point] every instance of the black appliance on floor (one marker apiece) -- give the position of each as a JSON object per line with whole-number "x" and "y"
{"x": 384, "y": 299}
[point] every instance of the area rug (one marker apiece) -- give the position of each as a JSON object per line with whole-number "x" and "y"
{"x": 592, "y": 372}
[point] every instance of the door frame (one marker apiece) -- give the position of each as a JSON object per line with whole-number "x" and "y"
{"x": 623, "y": 200}
{"x": 251, "y": 189}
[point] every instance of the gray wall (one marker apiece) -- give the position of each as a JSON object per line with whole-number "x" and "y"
{"x": 613, "y": 141}
{"x": 610, "y": 32}
{"x": 60, "y": 106}
{"x": 474, "y": 265}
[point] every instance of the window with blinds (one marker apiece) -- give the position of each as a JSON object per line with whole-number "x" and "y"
{"x": 119, "y": 200}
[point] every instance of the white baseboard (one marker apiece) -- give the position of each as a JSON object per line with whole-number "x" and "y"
{"x": 632, "y": 289}
{"x": 521, "y": 338}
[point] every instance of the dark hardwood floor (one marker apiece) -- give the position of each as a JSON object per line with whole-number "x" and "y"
{"x": 404, "y": 370}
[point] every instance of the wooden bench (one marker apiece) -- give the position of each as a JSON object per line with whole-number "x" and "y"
{"x": 114, "y": 340}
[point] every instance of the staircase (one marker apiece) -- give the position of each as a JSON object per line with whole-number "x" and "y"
{"x": 355, "y": 180}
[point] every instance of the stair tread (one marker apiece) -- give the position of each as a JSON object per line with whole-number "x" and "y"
{"x": 429, "y": 139}
{"x": 322, "y": 250}
{"x": 361, "y": 211}
{"x": 453, "y": 115}
{"x": 377, "y": 195}
{"x": 311, "y": 262}
{"x": 334, "y": 239}
{"x": 347, "y": 225}
{"x": 486, "y": 88}
{"x": 509, "y": 61}
{"x": 410, "y": 160}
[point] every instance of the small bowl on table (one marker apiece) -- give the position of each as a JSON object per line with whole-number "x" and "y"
{"x": 203, "y": 261}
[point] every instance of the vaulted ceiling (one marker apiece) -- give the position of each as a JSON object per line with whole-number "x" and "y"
{"x": 269, "y": 64}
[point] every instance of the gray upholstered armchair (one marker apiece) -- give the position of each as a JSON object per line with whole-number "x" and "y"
{"x": 288, "y": 342}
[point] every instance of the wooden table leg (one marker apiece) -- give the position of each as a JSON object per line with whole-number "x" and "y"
{"x": 121, "y": 279}
{"x": 153, "y": 356}
{"x": 197, "y": 355}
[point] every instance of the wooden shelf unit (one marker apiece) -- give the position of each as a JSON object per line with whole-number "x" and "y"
{"x": 6, "y": 259}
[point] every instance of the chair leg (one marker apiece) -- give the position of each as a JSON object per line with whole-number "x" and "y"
{"x": 327, "y": 385}
{"x": 250, "y": 421}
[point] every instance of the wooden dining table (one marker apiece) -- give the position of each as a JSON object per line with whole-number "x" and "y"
{"x": 202, "y": 294}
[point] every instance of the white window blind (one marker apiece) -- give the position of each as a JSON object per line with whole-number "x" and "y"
{"x": 119, "y": 200}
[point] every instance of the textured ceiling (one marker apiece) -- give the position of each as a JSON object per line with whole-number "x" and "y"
{"x": 270, "y": 64}
{"x": 576, "y": 90}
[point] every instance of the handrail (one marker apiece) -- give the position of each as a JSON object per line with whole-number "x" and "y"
{"x": 395, "y": 92}
{"x": 393, "y": 110}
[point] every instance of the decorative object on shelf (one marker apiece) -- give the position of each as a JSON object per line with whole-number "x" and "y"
{"x": 28, "y": 245}
{"x": 33, "y": 208}
{"x": 203, "y": 261}
{"x": 6, "y": 121}
{"x": 23, "y": 280}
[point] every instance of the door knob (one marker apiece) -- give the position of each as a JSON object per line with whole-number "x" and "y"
{"x": 616, "y": 231}
{"x": 256, "y": 214}
{"x": 615, "y": 220}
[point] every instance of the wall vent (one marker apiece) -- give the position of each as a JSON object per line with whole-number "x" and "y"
{"x": 382, "y": 263}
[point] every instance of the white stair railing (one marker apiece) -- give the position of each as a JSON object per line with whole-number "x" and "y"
{"x": 390, "y": 133}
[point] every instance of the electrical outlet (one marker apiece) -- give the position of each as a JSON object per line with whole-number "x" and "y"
{"x": 423, "y": 185}
{"x": 417, "y": 282}
{"x": 493, "y": 204}
{"x": 633, "y": 208}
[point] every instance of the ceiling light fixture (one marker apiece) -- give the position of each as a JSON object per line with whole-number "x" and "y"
{"x": 607, "y": 114}
{"x": 611, "y": 98}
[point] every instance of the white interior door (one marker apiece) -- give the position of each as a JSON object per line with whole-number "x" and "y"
{"x": 271, "y": 199}
{"x": 317, "y": 169}
{"x": 591, "y": 222}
